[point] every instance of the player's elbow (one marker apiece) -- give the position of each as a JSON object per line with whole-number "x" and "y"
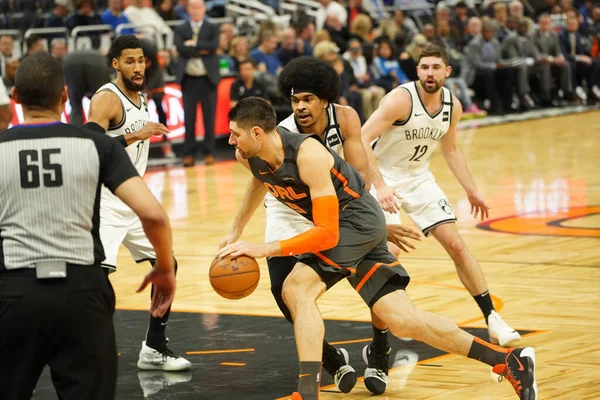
{"x": 330, "y": 238}
{"x": 154, "y": 217}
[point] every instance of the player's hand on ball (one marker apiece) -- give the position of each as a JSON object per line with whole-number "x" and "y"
{"x": 164, "y": 289}
{"x": 388, "y": 199}
{"x": 236, "y": 249}
{"x": 152, "y": 129}
{"x": 478, "y": 206}
{"x": 231, "y": 237}
{"x": 398, "y": 234}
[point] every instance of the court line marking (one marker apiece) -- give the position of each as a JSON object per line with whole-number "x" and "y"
{"x": 233, "y": 364}
{"x": 219, "y": 351}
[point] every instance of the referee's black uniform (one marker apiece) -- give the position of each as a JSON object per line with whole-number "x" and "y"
{"x": 56, "y": 302}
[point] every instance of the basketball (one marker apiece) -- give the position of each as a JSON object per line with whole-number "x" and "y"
{"x": 234, "y": 278}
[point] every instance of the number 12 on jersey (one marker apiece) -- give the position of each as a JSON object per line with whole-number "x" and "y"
{"x": 419, "y": 152}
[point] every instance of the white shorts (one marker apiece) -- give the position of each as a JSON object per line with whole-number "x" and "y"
{"x": 283, "y": 222}
{"x": 423, "y": 200}
{"x": 116, "y": 229}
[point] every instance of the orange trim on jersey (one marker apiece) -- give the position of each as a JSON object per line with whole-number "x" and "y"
{"x": 371, "y": 272}
{"x": 491, "y": 346}
{"x": 326, "y": 260}
{"x": 344, "y": 181}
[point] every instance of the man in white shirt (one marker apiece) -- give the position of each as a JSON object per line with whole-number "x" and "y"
{"x": 5, "y": 108}
{"x": 140, "y": 12}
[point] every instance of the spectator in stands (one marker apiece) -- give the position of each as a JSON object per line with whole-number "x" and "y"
{"x": 405, "y": 25}
{"x": 197, "y": 71}
{"x": 515, "y": 8}
{"x": 245, "y": 85}
{"x": 306, "y": 32}
{"x": 34, "y": 43}
{"x": 500, "y": 17}
{"x": 460, "y": 21}
{"x": 331, "y": 7}
{"x": 140, "y": 12}
{"x": 155, "y": 90}
{"x": 337, "y": 31}
{"x": 57, "y": 18}
{"x": 229, "y": 31}
{"x": 114, "y": 17}
{"x": 361, "y": 29}
{"x": 181, "y": 10}
{"x": 264, "y": 55}
{"x": 519, "y": 48}
{"x": 409, "y": 58}
{"x": 165, "y": 60}
{"x": 6, "y": 113}
{"x": 486, "y": 71}
{"x": 371, "y": 93}
{"x": 355, "y": 7}
{"x": 386, "y": 68}
{"x": 84, "y": 15}
{"x": 239, "y": 51}
{"x": 6, "y": 52}
{"x": 166, "y": 11}
{"x": 429, "y": 32}
{"x": 546, "y": 41}
{"x": 321, "y": 36}
{"x": 58, "y": 49}
{"x": 583, "y": 66}
{"x": 224, "y": 55}
{"x": 290, "y": 47}
{"x": 473, "y": 29}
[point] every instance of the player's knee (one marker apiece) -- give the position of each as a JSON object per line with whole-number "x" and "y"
{"x": 297, "y": 290}
{"x": 457, "y": 249}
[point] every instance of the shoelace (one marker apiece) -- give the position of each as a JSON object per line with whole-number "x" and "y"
{"x": 166, "y": 352}
{"x": 380, "y": 361}
{"x": 504, "y": 371}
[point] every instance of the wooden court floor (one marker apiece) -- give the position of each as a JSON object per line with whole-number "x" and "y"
{"x": 540, "y": 253}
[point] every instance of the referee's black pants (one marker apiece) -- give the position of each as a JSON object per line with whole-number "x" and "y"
{"x": 66, "y": 324}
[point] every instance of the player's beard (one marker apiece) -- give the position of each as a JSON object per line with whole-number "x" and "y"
{"x": 431, "y": 89}
{"x": 132, "y": 86}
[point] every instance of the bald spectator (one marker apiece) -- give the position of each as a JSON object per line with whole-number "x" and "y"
{"x": 290, "y": 48}
{"x": 515, "y": 8}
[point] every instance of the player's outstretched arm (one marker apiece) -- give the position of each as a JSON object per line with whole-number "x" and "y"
{"x": 254, "y": 196}
{"x": 395, "y": 106}
{"x": 354, "y": 149}
{"x": 457, "y": 164}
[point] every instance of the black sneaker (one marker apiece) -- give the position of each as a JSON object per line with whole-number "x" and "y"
{"x": 519, "y": 369}
{"x": 376, "y": 374}
{"x": 336, "y": 364}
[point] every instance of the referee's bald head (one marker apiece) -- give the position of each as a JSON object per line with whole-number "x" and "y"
{"x": 40, "y": 82}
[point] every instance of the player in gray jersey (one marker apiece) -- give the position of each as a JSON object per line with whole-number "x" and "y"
{"x": 56, "y": 301}
{"x": 408, "y": 126}
{"x": 120, "y": 109}
{"x": 312, "y": 86}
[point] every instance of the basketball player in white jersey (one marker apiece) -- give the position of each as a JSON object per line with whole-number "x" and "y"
{"x": 120, "y": 109}
{"x": 313, "y": 85}
{"x": 408, "y": 125}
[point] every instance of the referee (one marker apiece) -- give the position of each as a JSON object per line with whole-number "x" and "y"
{"x": 56, "y": 302}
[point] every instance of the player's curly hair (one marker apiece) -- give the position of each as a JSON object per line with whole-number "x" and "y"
{"x": 309, "y": 74}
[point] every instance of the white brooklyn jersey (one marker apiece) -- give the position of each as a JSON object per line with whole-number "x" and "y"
{"x": 134, "y": 119}
{"x": 405, "y": 149}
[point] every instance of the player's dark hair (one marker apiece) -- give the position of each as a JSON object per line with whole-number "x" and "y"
{"x": 433, "y": 50}
{"x": 309, "y": 74}
{"x": 124, "y": 42}
{"x": 254, "y": 111}
{"x": 39, "y": 81}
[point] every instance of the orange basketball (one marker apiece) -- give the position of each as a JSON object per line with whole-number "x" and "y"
{"x": 234, "y": 278}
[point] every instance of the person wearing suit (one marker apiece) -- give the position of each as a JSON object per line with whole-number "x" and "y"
{"x": 582, "y": 65}
{"x": 197, "y": 71}
{"x": 484, "y": 69}
{"x": 86, "y": 71}
{"x": 519, "y": 48}
{"x": 546, "y": 42}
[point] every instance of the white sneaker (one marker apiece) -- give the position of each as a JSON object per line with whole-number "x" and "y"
{"x": 153, "y": 382}
{"x": 596, "y": 91}
{"x": 162, "y": 359}
{"x": 500, "y": 332}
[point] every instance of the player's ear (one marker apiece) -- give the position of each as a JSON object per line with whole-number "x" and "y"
{"x": 64, "y": 96}
{"x": 256, "y": 131}
{"x": 448, "y": 71}
{"x": 115, "y": 64}
{"x": 13, "y": 94}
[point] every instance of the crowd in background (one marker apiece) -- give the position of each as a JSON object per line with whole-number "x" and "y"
{"x": 505, "y": 56}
